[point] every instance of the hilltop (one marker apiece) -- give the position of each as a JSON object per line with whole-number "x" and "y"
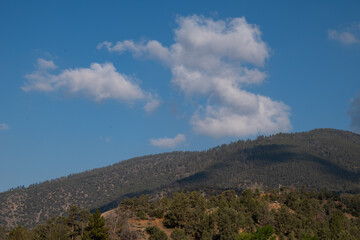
{"x": 321, "y": 158}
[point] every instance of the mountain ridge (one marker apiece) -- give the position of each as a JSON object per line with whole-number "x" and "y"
{"x": 315, "y": 159}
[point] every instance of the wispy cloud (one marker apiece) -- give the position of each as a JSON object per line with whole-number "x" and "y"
{"x": 105, "y": 139}
{"x": 99, "y": 82}
{"x": 168, "y": 142}
{"x": 354, "y": 113}
{"x": 4, "y": 126}
{"x": 347, "y": 36}
{"x": 217, "y": 59}
{"x": 151, "y": 105}
{"x": 43, "y": 64}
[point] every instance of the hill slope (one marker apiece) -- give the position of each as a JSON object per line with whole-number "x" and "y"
{"x": 316, "y": 159}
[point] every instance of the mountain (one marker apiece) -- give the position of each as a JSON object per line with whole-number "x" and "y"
{"x": 321, "y": 158}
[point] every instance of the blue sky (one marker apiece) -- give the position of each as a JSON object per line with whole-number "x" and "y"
{"x": 85, "y": 84}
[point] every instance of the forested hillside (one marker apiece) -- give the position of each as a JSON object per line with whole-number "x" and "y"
{"x": 322, "y": 158}
{"x": 250, "y": 215}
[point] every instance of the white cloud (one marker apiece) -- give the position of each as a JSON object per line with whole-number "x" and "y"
{"x": 354, "y": 113}
{"x": 218, "y": 121}
{"x": 4, "y": 126}
{"x": 153, "y": 49}
{"x": 343, "y": 37}
{"x": 168, "y": 142}
{"x": 218, "y": 59}
{"x": 99, "y": 82}
{"x": 151, "y": 105}
{"x": 43, "y": 64}
{"x": 203, "y": 39}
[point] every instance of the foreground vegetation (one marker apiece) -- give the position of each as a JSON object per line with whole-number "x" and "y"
{"x": 249, "y": 215}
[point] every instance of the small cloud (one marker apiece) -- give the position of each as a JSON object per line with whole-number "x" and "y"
{"x": 346, "y": 36}
{"x": 45, "y": 64}
{"x": 354, "y": 113}
{"x": 105, "y": 44}
{"x": 4, "y": 126}
{"x": 152, "y": 105}
{"x": 168, "y": 142}
{"x": 105, "y": 139}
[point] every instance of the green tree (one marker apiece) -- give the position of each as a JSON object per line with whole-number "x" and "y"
{"x": 53, "y": 229}
{"x": 227, "y": 221}
{"x": 156, "y": 234}
{"x": 177, "y": 214}
{"x": 60, "y": 230}
{"x": 264, "y": 233}
{"x": 96, "y": 229}
{"x": 19, "y": 233}
{"x": 286, "y": 221}
{"x": 73, "y": 221}
{"x": 84, "y": 218}
{"x": 179, "y": 234}
{"x": 244, "y": 236}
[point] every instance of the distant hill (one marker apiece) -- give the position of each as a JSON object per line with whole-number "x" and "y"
{"x": 321, "y": 158}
